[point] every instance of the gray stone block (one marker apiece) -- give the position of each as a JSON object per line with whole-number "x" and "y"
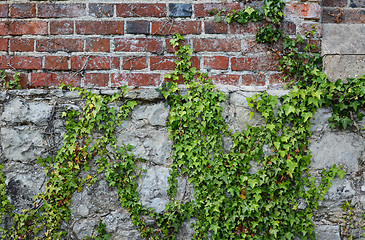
{"x": 343, "y": 39}
{"x": 343, "y": 66}
{"x": 327, "y": 232}
{"x": 337, "y": 148}
{"x": 180, "y": 10}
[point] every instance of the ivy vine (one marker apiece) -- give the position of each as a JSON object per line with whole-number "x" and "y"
{"x": 231, "y": 200}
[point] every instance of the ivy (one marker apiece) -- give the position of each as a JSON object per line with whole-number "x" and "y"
{"x": 10, "y": 84}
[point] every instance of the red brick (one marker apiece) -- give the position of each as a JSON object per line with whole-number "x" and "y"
{"x": 3, "y": 44}
{"x": 254, "y": 64}
{"x": 253, "y": 79}
{"x": 138, "y": 45}
{"x": 141, "y": 10}
{"x": 28, "y": 27}
{"x": 61, "y": 27}
{"x": 135, "y": 79}
{"x": 213, "y": 27}
{"x": 94, "y": 62}
{"x": 54, "y": 79}
{"x": 304, "y": 28}
{"x": 97, "y": 45}
{"x": 101, "y": 10}
{"x": 23, "y": 78}
{"x": 181, "y": 27}
{"x": 26, "y": 62}
{"x": 202, "y": 9}
{"x": 4, "y": 60}
{"x": 226, "y": 79}
{"x": 216, "y": 45}
{"x": 56, "y": 62}
{"x": 22, "y": 45}
{"x": 276, "y": 79}
{"x": 169, "y": 47}
{"x": 134, "y": 63}
{"x": 4, "y": 28}
{"x": 303, "y": 10}
{"x": 168, "y": 62}
{"x": 96, "y": 79}
{"x": 216, "y": 62}
{"x": 102, "y": 28}
{"x": 22, "y": 10}
{"x": 4, "y": 10}
{"x": 63, "y": 10}
{"x": 60, "y": 44}
{"x": 343, "y": 16}
{"x": 247, "y": 28}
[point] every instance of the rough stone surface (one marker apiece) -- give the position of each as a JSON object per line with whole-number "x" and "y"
{"x": 180, "y": 10}
{"x": 324, "y": 232}
{"x": 343, "y": 39}
{"x": 337, "y": 148}
{"x": 38, "y": 133}
{"x": 343, "y": 66}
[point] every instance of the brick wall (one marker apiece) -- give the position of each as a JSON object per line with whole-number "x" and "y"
{"x": 112, "y": 44}
{"x": 343, "y": 11}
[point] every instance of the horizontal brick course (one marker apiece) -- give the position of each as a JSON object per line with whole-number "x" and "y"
{"x": 138, "y": 45}
{"x": 170, "y": 27}
{"x": 135, "y": 79}
{"x": 22, "y": 45}
{"x": 60, "y": 44}
{"x": 216, "y": 45}
{"x": 99, "y": 28}
{"x": 61, "y": 10}
{"x": 54, "y": 79}
{"x": 94, "y": 62}
{"x": 23, "y": 10}
{"x": 141, "y": 10}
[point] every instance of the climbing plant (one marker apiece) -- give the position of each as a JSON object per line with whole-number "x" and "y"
{"x": 232, "y": 199}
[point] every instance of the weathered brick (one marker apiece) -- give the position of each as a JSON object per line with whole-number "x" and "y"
{"x": 253, "y": 79}
{"x": 168, "y": 62}
{"x": 289, "y": 28}
{"x": 101, "y": 10}
{"x": 4, "y": 62}
{"x": 54, "y": 79}
{"x": 135, "y": 79}
{"x": 23, "y": 78}
{"x": 96, "y": 80}
{"x": 56, "y": 62}
{"x": 60, "y": 44}
{"x": 211, "y": 27}
{"x": 25, "y": 62}
{"x": 304, "y": 28}
{"x": 4, "y": 44}
{"x": 226, "y": 79}
{"x": 202, "y": 9}
{"x": 94, "y": 62}
{"x": 61, "y": 27}
{"x": 4, "y": 28}
{"x": 334, "y": 3}
{"x": 22, "y": 45}
{"x": 216, "y": 62}
{"x": 97, "y": 45}
{"x": 247, "y": 28}
{"x": 4, "y": 10}
{"x": 277, "y": 78}
{"x": 343, "y": 16}
{"x": 141, "y": 10}
{"x": 138, "y": 27}
{"x": 23, "y": 10}
{"x": 61, "y": 10}
{"x": 28, "y": 27}
{"x": 303, "y": 10}
{"x": 169, "y": 47}
{"x": 254, "y": 64}
{"x": 170, "y": 27}
{"x": 138, "y": 45}
{"x": 216, "y": 45}
{"x": 134, "y": 63}
{"x": 101, "y": 28}
{"x": 357, "y": 4}
{"x": 180, "y": 10}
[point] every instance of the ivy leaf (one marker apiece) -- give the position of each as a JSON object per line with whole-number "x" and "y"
{"x": 288, "y": 109}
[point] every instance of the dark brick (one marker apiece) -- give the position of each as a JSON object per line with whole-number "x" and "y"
{"x": 180, "y": 10}
{"x": 343, "y": 15}
{"x": 138, "y": 27}
{"x": 334, "y": 3}
{"x": 101, "y": 10}
{"x": 357, "y": 3}
{"x": 213, "y": 27}
{"x": 22, "y": 10}
{"x": 289, "y": 28}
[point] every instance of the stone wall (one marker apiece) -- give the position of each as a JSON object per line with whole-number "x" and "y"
{"x": 31, "y": 127}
